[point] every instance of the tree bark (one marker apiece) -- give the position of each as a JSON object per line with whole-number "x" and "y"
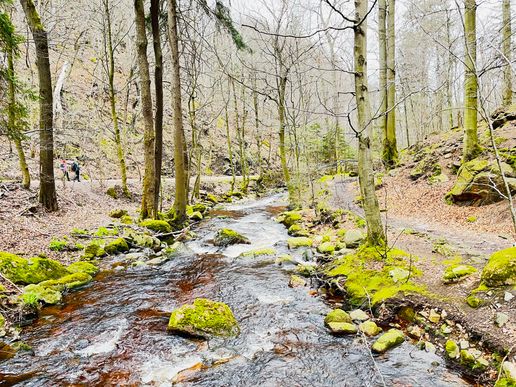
{"x": 282, "y": 127}
{"x": 149, "y": 204}
{"x": 390, "y": 150}
{"x": 179, "y": 137}
{"x": 158, "y": 85}
{"x": 471, "y": 147}
{"x": 382, "y": 58}
{"x": 47, "y": 188}
{"x": 375, "y": 233}
{"x": 506, "y": 48}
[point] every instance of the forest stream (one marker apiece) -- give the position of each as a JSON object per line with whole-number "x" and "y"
{"x": 114, "y": 332}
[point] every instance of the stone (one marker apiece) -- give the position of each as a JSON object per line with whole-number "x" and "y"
{"x": 226, "y": 237}
{"x": 93, "y": 250}
{"x": 296, "y": 281}
{"x": 294, "y": 243}
{"x": 406, "y": 313}
{"x": 342, "y": 328}
{"x": 455, "y": 273}
{"x": 306, "y": 269}
{"x": 464, "y": 344}
{"x": 289, "y": 218}
{"x": 500, "y": 270}
{"x": 509, "y": 369}
{"x": 117, "y": 213}
{"x": 369, "y": 328}
{"x": 204, "y": 318}
{"x": 415, "y": 331}
{"x": 32, "y": 271}
{"x": 117, "y": 246}
{"x": 434, "y": 316}
{"x": 474, "y": 301}
{"x": 501, "y": 319}
{"x": 429, "y": 347}
{"x": 388, "y": 340}
{"x": 358, "y": 315}
{"x": 258, "y": 252}
{"x": 159, "y": 226}
{"x": 196, "y": 216}
{"x": 284, "y": 258}
{"x": 353, "y": 238}
{"x": 326, "y": 248}
{"x": 36, "y": 292}
{"x": 83, "y": 267}
{"x": 452, "y": 349}
{"x": 508, "y": 296}
{"x": 337, "y": 315}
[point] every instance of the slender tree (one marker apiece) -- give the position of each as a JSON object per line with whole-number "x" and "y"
{"x": 47, "y": 188}
{"x": 382, "y": 61}
{"x": 375, "y": 233}
{"x": 390, "y": 150}
{"x": 506, "y": 48}
{"x": 471, "y": 147}
{"x": 149, "y": 203}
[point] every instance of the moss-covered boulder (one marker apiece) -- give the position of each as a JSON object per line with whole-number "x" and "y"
{"x": 337, "y": 315}
{"x": 474, "y": 301}
{"x": 117, "y": 246}
{"x": 117, "y": 213}
{"x": 326, "y": 248}
{"x": 226, "y": 237}
{"x": 83, "y": 267}
{"x": 296, "y": 230}
{"x": 342, "y": 328}
{"x": 68, "y": 282}
{"x": 142, "y": 240}
{"x": 353, "y": 238}
{"x": 500, "y": 270}
{"x": 196, "y": 216}
{"x": 159, "y": 226}
{"x": 38, "y": 293}
{"x": 289, "y": 218}
{"x": 204, "y": 318}
{"x": 455, "y": 273}
{"x": 22, "y": 271}
{"x": 294, "y": 243}
{"x": 126, "y": 219}
{"x": 369, "y": 328}
{"x": 92, "y": 251}
{"x": 388, "y": 340}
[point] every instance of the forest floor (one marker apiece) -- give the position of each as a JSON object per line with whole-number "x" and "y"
{"x": 27, "y": 230}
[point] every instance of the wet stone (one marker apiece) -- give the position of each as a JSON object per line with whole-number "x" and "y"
{"x": 342, "y": 328}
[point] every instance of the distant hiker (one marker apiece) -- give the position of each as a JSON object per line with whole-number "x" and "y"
{"x": 76, "y": 169}
{"x": 63, "y": 166}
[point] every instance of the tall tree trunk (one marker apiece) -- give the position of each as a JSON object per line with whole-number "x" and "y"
{"x": 506, "y": 48}
{"x": 13, "y": 129}
{"x": 149, "y": 203}
{"x": 112, "y": 98}
{"x": 158, "y": 85}
{"x": 282, "y": 126}
{"x": 471, "y": 147}
{"x": 390, "y": 150}
{"x": 47, "y": 187}
{"x": 179, "y": 137}
{"x": 450, "y": 64}
{"x": 375, "y": 233}
{"x": 382, "y": 48}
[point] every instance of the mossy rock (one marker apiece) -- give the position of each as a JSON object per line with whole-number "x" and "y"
{"x": 117, "y": 213}
{"x": 226, "y": 237}
{"x": 353, "y": 238}
{"x": 258, "y": 252}
{"x": 342, "y": 328}
{"x": 39, "y": 293}
{"x": 294, "y": 243}
{"x": 474, "y": 301}
{"x": 126, "y": 219}
{"x": 68, "y": 282}
{"x": 468, "y": 359}
{"x": 455, "y": 273}
{"x": 296, "y": 230}
{"x": 159, "y": 226}
{"x": 83, "y": 267}
{"x": 205, "y": 318}
{"x": 337, "y": 315}
{"x": 141, "y": 239}
{"x": 289, "y": 218}
{"x": 452, "y": 349}
{"x": 111, "y": 191}
{"x": 2, "y": 321}
{"x": 213, "y": 199}
{"x": 390, "y": 339}
{"x": 117, "y": 246}
{"x": 196, "y": 216}
{"x": 92, "y": 251}
{"x": 500, "y": 270}
{"x": 199, "y": 207}
{"x": 306, "y": 270}
{"x": 369, "y": 328}
{"x": 326, "y": 248}
{"x": 22, "y": 271}
{"x": 296, "y": 281}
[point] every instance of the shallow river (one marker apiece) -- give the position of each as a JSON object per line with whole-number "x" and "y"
{"x": 114, "y": 332}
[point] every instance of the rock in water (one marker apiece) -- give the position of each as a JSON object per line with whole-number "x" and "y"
{"x": 358, "y": 315}
{"x": 296, "y": 281}
{"x": 342, "y": 328}
{"x": 501, "y": 268}
{"x": 226, "y": 237}
{"x": 388, "y": 340}
{"x": 337, "y": 315}
{"x": 205, "y": 318}
{"x": 369, "y": 328}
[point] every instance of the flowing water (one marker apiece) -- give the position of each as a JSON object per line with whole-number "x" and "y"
{"x": 114, "y": 331}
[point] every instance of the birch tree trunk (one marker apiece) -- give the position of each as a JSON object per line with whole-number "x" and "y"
{"x": 375, "y": 233}
{"x": 506, "y": 48}
{"x": 47, "y": 188}
{"x": 149, "y": 204}
{"x": 471, "y": 147}
{"x": 181, "y": 197}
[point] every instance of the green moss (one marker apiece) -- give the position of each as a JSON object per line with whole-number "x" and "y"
{"x": 442, "y": 247}
{"x": 2, "y": 321}
{"x": 159, "y": 226}
{"x": 306, "y": 270}
{"x": 474, "y": 301}
{"x": 289, "y": 218}
{"x": 93, "y": 250}
{"x": 369, "y": 328}
{"x": 112, "y": 192}
{"x": 20, "y": 346}
{"x": 388, "y": 340}
{"x": 294, "y": 243}
{"x": 452, "y": 349}
{"x": 500, "y": 270}
{"x": 83, "y": 267}
{"x": 471, "y": 219}
{"x": 469, "y": 360}
{"x": 57, "y": 244}
{"x": 259, "y": 252}
{"x": 212, "y": 198}
{"x": 337, "y": 315}
{"x": 35, "y": 293}
{"x": 455, "y": 273}
{"x": 297, "y": 230}
{"x": 119, "y": 245}
{"x": 117, "y": 213}
{"x": 326, "y": 248}
{"x": 22, "y": 271}
{"x": 505, "y": 382}
{"x": 466, "y": 174}
{"x": 79, "y": 232}
{"x": 342, "y": 328}
{"x": 226, "y": 237}
{"x": 126, "y": 219}
{"x": 70, "y": 281}
{"x": 141, "y": 239}
{"x": 204, "y": 318}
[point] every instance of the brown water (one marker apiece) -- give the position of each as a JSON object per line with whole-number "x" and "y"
{"x": 114, "y": 332}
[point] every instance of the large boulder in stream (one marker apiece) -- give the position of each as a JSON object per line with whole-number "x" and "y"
{"x": 226, "y": 237}
{"x": 29, "y": 271}
{"x": 204, "y": 318}
{"x": 500, "y": 270}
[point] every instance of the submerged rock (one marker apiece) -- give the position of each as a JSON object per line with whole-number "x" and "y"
{"x": 388, "y": 340}
{"x": 338, "y": 315}
{"x": 204, "y": 318}
{"x": 226, "y": 237}
{"x": 455, "y": 273}
{"x": 369, "y": 328}
{"x": 342, "y": 328}
{"x": 500, "y": 270}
